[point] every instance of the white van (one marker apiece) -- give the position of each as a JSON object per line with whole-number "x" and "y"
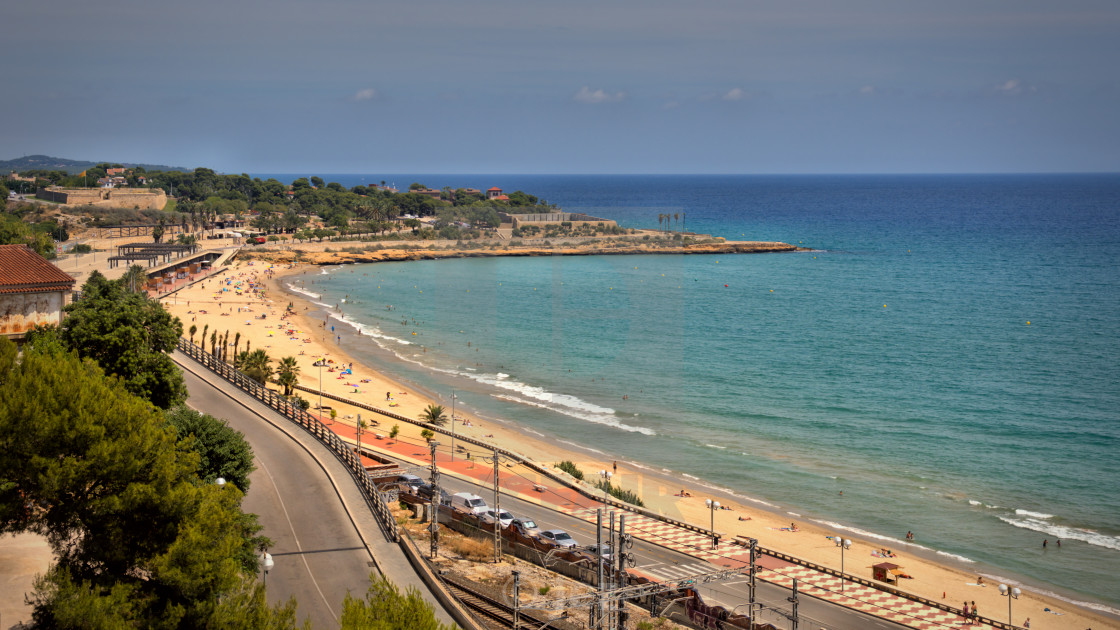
{"x": 467, "y": 502}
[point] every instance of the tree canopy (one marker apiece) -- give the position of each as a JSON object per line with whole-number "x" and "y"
{"x": 223, "y": 451}
{"x": 130, "y": 336}
{"x": 386, "y": 608}
{"x": 139, "y": 539}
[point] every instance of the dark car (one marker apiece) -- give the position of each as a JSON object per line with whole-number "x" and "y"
{"x": 427, "y": 490}
{"x": 409, "y": 483}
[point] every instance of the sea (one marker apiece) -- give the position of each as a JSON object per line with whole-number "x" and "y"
{"x": 945, "y": 353}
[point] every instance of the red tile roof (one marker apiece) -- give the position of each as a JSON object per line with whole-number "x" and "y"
{"x": 494, "y": 188}
{"x": 24, "y": 271}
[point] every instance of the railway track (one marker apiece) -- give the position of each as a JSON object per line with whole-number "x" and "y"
{"x": 494, "y": 611}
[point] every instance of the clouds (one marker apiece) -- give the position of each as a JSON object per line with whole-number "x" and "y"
{"x": 364, "y": 94}
{"x": 1013, "y": 87}
{"x": 588, "y": 97}
{"x": 734, "y": 94}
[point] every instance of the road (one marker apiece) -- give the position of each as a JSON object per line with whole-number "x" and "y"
{"x": 324, "y": 536}
{"x": 668, "y": 564}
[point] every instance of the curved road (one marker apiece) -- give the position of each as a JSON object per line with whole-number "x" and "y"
{"x": 325, "y": 538}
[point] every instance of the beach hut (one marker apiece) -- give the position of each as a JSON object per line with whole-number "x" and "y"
{"x": 886, "y": 572}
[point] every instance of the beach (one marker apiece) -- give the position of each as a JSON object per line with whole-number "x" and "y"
{"x": 226, "y": 301}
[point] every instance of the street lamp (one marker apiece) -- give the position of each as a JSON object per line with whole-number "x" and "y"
{"x": 320, "y": 364}
{"x": 221, "y": 482}
{"x": 842, "y": 543}
{"x": 712, "y": 506}
{"x": 453, "y": 397}
{"x": 1010, "y": 594}
{"x": 266, "y": 565}
{"x": 359, "y": 427}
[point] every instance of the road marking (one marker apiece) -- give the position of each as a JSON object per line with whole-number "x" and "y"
{"x": 291, "y": 527}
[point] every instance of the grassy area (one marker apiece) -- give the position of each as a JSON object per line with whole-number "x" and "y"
{"x": 171, "y": 203}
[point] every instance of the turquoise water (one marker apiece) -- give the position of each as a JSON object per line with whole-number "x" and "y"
{"x": 946, "y": 356}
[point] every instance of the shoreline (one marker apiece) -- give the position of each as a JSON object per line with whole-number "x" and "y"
{"x": 656, "y": 487}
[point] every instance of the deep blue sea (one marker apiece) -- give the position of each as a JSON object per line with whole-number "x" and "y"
{"x": 947, "y": 355}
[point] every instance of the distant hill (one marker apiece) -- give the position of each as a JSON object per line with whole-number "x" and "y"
{"x": 48, "y": 163}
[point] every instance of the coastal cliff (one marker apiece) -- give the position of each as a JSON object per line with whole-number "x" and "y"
{"x": 323, "y": 254}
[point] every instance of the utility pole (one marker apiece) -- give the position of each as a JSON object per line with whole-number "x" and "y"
{"x": 602, "y": 582}
{"x": 516, "y": 600}
{"x": 497, "y": 507}
{"x": 359, "y": 426}
{"x": 793, "y": 600}
{"x": 437, "y": 499}
{"x": 754, "y": 551}
{"x": 619, "y": 567}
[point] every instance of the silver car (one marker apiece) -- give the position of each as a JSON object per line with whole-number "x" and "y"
{"x": 525, "y": 526}
{"x": 557, "y": 537}
{"x": 505, "y": 518}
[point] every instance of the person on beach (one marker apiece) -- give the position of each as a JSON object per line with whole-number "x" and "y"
{"x": 1044, "y": 544}
{"x": 975, "y": 613}
{"x": 967, "y": 619}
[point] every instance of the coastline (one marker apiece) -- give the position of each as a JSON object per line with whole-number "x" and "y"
{"x": 933, "y": 577}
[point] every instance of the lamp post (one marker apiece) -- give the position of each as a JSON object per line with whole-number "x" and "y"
{"x": 359, "y": 427}
{"x": 712, "y": 507}
{"x": 266, "y": 565}
{"x": 453, "y": 397}
{"x": 842, "y": 543}
{"x": 1010, "y": 594}
{"x": 220, "y": 482}
{"x": 320, "y": 364}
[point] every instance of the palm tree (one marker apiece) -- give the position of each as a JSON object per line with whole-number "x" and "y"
{"x": 202, "y": 342}
{"x": 236, "y": 342}
{"x": 287, "y": 374}
{"x": 433, "y": 414}
{"x": 256, "y": 366}
{"x": 194, "y": 329}
{"x": 135, "y": 279}
{"x": 225, "y": 346}
{"x": 214, "y": 343}
{"x": 660, "y": 217}
{"x": 677, "y": 217}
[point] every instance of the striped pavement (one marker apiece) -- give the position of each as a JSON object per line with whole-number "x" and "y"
{"x": 809, "y": 581}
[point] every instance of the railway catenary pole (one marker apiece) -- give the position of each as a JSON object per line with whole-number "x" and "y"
{"x": 437, "y": 499}
{"x": 497, "y": 511}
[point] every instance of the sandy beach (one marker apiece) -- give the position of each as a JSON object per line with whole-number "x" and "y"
{"x": 247, "y": 298}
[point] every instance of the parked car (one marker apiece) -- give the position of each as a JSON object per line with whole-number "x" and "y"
{"x": 505, "y": 518}
{"x": 604, "y": 552}
{"x": 427, "y": 490}
{"x": 410, "y": 483}
{"x": 467, "y": 502}
{"x": 557, "y": 537}
{"x": 525, "y": 526}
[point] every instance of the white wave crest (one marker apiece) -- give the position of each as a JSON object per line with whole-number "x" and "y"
{"x": 609, "y": 421}
{"x": 310, "y": 294}
{"x": 974, "y": 502}
{"x": 956, "y": 557}
{"x": 1033, "y": 514}
{"x": 1064, "y": 532}
{"x": 722, "y": 448}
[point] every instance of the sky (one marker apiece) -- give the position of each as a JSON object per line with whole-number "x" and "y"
{"x": 602, "y": 86}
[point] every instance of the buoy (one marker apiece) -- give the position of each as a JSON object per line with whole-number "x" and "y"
{"x": 1028, "y": 322}
{"x": 884, "y": 306}
{"x": 771, "y": 290}
{"x": 725, "y": 285}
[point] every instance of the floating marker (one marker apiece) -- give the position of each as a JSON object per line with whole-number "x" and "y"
{"x": 1028, "y": 322}
{"x": 725, "y": 285}
{"x": 884, "y": 306}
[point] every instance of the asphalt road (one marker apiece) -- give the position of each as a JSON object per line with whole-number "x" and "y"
{"x": 318, "y": 547}
{"x": 665, "y": 563}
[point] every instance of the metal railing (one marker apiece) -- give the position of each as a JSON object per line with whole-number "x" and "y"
{"x": 342, "y": 450}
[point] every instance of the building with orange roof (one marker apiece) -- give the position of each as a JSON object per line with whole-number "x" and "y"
{"x": 32, "y": 291}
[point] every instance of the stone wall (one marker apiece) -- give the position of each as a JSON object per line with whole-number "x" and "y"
{"x": 144, "y": 198}
{"x": 20, "y": 312}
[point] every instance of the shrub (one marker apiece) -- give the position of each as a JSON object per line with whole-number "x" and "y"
{"x": 81, "y": 248}
{"x": 571, "y": 469}
{"x": 544, "y": 589}
{"x": 620, "y": 494}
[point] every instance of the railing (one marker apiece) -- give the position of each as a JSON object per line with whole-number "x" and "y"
{"x": 343, "y": 451}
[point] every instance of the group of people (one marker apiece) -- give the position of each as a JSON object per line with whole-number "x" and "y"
{"x": 971, "y": 615}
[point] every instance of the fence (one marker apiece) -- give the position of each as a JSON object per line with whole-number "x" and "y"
{"x": 342, "y": 450}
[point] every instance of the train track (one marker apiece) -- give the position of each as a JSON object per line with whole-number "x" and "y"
{"x": 493, "y": 610}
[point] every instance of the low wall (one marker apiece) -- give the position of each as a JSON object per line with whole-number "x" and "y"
{"x": 144, "y": 198}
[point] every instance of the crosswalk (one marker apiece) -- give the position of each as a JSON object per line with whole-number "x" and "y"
{"x": 661, "y": 571}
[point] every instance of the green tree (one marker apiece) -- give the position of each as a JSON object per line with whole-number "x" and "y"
{"x": 394, "y": 432}
{"x": 287, "y": 374}
{"x": 386, "y": 608}
{"x": 433, "y": 414}
{"x": 130, "y": 336}
{"x": 222, "y": 450}
{"x": 427, "y": 435}
{"x": 193, "y": 330}
{"x": 256, "y": 365}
